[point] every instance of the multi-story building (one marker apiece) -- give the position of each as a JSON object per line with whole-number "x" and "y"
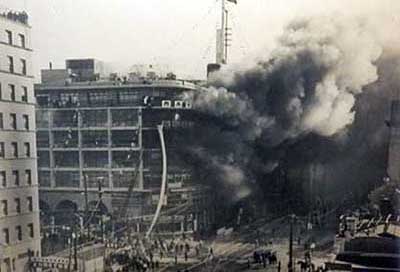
{"x": 105, "y": 132}
{"x": 19, "y": 207}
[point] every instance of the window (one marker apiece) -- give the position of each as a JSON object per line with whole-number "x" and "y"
{"x": 31, "y": 230}
{"x": 68, "y": 99}
{"x": 14, "y": 149}
{"x": 95, "y": 159}
{"x": 3, "y": 179}
{"x": 30, "y": 203}
{"x": 42, "y": 139}
{"x": 124, "y": 118}
{"x": 44, "y": 179}
{"x": 13, "y": 121}
{"x": 11, "y": 88}
{"x": 7, "y": 264}
{"x": 23, "y": 66}
{"x": 42, "y": 100}
{"x": 42, "y": 118}
{"x": 94, "y": 177}
{"x": 123, "y": 159}
{"x": 99, "y": 98}
{"x": 28, "y": 177}
{"x": 15, "y": 175}
{"x": 122, "y": 179}
{"x": 65, "y": 139}
{"x": 67, "y": 179}
{"x": 24, "y": 97}
{"x": 17, "y": 205}
{"x": 2, "y": 151}
{"x": 18, "y": 230}
{"x": 6, "y": 236}
{"x": 4, "y": 207}
{"x": 66, "y": 159}
{"x": 125, "y": 138}
{"x": 130, "y": 97}
{"x": 43, "y": 159}
{"x": 94, "y": 118}
{"x": 9, "y": 37}
{"x": 1, "y": 121}
{"x": 22, "y": 41}
{"x": 94, "y": 138}
{"x": 10, "y": 64}
{"x": 65, "y": 118}
{"x": 27, "y": 148}
{"x": 25, "y": 117}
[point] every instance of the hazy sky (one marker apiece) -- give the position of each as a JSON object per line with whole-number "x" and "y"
{"x": 180, "y": 33}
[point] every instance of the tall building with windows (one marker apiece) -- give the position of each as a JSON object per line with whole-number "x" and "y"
{"x": 19, "y": 207}
{"x": 105, "y": 131}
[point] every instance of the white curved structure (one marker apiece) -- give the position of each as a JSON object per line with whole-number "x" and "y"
{"x": 163, "y": 183}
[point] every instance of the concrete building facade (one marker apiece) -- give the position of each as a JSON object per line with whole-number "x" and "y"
{"x": 106, "y": 132}
{"x": 19, "y": 208}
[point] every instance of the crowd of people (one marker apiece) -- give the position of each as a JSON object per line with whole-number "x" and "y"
{"x": 148, "y": 254}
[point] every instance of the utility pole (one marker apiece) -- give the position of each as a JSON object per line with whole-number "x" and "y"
{"x": 291, "y": 264}
{"x": 100, "y": 179}
{"x": 85, "y": 177}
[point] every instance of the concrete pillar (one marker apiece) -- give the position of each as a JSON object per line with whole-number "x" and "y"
{"x": 109, "y": 146}
{"x": 81, "y": 177}
{"x": 51, "y": 144}
{"x": 140, "y": 142}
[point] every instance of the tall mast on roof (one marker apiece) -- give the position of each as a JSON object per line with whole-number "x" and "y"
{"x": 223, "y": 35}
{"x": 222, "y": 41}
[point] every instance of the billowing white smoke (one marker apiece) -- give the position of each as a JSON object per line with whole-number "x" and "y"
{"x": 348, "y": 51}
{"x": 233, "y": 109}
{"x": 234, "y": 177}
{"x": 337, "y": 55}
{"x": 308, "y": 85}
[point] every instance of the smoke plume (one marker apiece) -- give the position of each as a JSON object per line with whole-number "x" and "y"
{"x": 307, "y": 87}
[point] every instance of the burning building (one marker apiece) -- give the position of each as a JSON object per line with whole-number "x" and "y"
{"x": 99, "y": 149}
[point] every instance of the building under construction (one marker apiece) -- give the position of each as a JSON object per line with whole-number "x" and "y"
{"x": 106, "y": 146}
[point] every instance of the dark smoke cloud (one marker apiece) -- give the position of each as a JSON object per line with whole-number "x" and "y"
{"x": 306, "y": 89}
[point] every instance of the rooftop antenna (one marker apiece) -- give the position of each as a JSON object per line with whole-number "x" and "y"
{"x": 223, "y": 35}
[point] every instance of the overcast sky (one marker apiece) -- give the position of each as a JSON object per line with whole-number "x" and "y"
{"x": 180, "y": 33}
